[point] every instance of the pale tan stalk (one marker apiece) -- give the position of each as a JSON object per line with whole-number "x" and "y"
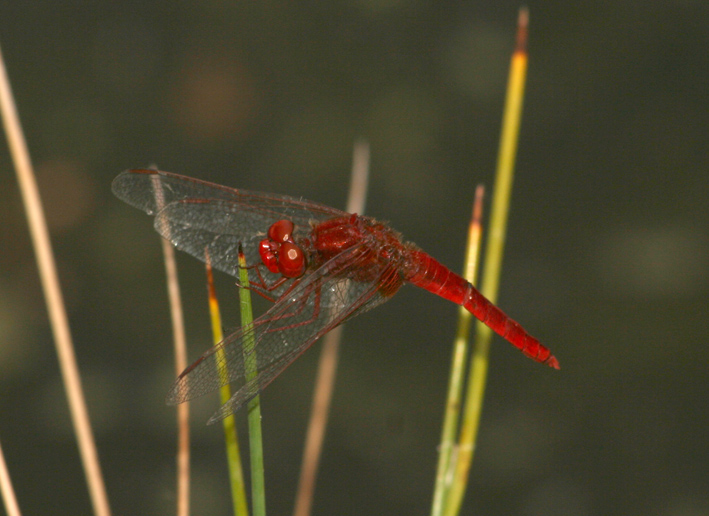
{"x": 180, "y": 350}
{"x": 327, "y": 367}
{"x": 8, "y": 493}
{"x": 179, "y": 344}
{"x": 53, "y": 296}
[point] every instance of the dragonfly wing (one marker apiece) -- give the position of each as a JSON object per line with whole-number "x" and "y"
{"x": 218, "y": 227}
{"x": 152, "y": 190}
{"x": 320, "y": 301}
{"x": 367, "y": 300}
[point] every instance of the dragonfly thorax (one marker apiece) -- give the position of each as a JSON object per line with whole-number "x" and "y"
{"x": 379, "y": 244}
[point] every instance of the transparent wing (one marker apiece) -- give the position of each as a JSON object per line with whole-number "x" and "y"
{"x": 199, "y": 217}
{"x": 218, "y": 227}
{"x": 152, "y": 190}
{"x": 317, "y": 303}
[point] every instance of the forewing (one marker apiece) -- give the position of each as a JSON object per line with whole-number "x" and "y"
{"x": 320, "y": 301}
{"x": 152, "y": 190}
{"x": 218, "y": 227}
{"x": 200, "y": 217}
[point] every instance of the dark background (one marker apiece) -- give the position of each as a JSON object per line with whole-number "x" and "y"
{"x": 606, "y": 259}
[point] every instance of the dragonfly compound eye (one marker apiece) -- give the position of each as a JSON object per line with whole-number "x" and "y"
{"x": 291, "y": 262}
{"x": 281, "y": 231}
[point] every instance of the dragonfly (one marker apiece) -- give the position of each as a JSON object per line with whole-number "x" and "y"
{"x": 320, "y": 267}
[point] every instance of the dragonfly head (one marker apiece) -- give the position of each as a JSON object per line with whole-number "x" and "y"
{"x": 279, "y": 252}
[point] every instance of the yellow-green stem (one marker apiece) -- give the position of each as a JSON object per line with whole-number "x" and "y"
{"x": 231, "y": 440}
{"x": 492, "y": 263}
{"x": 456, "y": 380}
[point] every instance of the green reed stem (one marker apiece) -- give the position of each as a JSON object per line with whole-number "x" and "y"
{"x": 258, "y": 485}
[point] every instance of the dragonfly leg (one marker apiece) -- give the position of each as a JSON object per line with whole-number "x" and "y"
{"x": 260, "y": 285}
{"x": 301, "y": 305}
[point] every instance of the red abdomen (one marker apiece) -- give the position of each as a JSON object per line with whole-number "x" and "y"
{"x": 424, "y": 271}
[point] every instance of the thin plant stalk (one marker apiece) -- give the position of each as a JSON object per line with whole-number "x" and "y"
{"x": 236, "y": 473}
{"x": 258, "y": 486}
{"x": 179, "y": 344}
{"x": 53, "y": 296}
{"x": 327, "y": 367}
{"x": 8, "y": 493}
{"x": 492, "y": 263}
{"x": 460, "y": 353}
{"x": 180, "y": 349}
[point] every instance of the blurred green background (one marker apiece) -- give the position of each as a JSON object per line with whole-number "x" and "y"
{"x": 606, "y": 260}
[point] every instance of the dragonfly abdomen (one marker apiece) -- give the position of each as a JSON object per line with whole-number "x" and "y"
{"x": 507, "y": 328}
{"x": 426, "y": 272}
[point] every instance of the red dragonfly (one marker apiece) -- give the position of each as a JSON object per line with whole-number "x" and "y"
{"x": 320, "y": 266}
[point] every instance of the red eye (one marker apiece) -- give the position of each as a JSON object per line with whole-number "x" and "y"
{"x": 281, "y": 231}
{"x": 291, "y": 262}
